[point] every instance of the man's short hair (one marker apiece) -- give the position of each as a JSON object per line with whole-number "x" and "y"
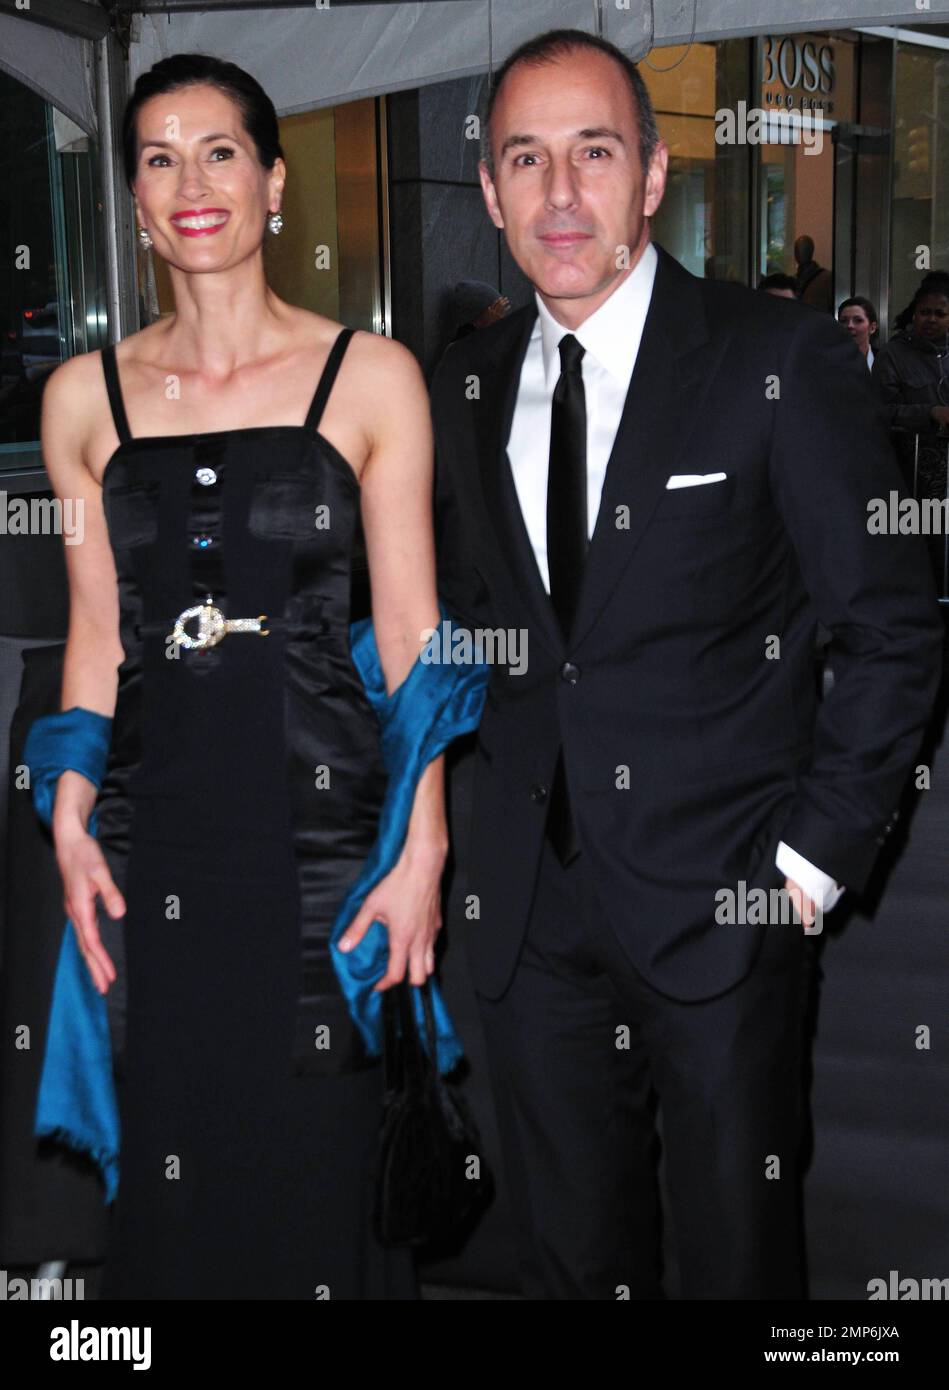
{"x": 778, "y": 281}
{"x": 559, "y": 43}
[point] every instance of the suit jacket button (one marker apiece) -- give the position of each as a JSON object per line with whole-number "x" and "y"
{"x": 570, "y": 673}
{"x": 539, "y": 792}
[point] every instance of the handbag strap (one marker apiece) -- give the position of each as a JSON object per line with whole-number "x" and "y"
{"x": 429, "y": 1012}
{"x": 392, "y": 1067}
{"x": 407, "y": 1063}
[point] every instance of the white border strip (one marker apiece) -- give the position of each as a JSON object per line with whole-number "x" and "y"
{"x": 907, "y": 36}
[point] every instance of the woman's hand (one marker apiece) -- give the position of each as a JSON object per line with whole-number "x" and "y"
{"x": 85, "y": 874}
{"x": 408, "y": 903}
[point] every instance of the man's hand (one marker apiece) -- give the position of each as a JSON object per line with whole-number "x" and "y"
{"x": 803, "y": 905}
{"x": 496, "y": 310}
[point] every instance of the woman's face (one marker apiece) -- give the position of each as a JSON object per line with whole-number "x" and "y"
{"x": 201, "y": 190}
{"x": 931, "y": 316}
{"x": 858, "y": 325}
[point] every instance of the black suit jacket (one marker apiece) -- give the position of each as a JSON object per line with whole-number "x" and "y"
{"x": 684, "y": 593}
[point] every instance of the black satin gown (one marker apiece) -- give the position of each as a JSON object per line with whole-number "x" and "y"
{"x": 240, "y": 801}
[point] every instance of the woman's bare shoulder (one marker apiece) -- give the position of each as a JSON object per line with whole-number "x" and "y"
{"x": 77, "y": 380}
{"x": 75, "y": 398}
{"x": 373, "y": 349}
{"x": 384, "y": 350}
{"x": 384, "y": 364}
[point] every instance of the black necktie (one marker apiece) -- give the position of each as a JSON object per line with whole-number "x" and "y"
{"x": 566, "y": 546}
{"x": 567, "y": 485}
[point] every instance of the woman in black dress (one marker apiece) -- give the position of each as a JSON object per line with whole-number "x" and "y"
{"x": 223, "y": 457}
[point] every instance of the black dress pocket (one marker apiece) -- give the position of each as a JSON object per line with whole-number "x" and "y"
{"x": 283, "y": 507}
{"x": 131, "y": 512}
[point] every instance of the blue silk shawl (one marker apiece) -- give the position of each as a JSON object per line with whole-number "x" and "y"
{"x": 436, "y": 703}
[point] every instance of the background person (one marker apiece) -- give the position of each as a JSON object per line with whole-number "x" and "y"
{"x": 780, "y": 285}
{"x": 859, "y": 316}
{"x": 814, "y": 282}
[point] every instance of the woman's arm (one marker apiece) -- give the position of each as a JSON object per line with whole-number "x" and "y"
{"x": 93, "y": 650}
{"x": 397, "y": 482}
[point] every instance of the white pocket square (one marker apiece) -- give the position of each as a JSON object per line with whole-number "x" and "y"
{"x": 694, "y": 479}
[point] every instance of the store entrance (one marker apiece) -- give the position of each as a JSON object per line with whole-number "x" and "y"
{"x": 807, "y": 100}
{"x": 796, "y": 183}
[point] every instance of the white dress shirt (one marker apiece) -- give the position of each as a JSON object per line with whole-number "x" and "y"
{"x": 611, "y": 338}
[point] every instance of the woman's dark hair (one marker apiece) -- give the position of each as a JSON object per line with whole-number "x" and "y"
{"x": 936, "y": 282}
{"x": 188, "y": 70}
{"x": 860, "y": 301}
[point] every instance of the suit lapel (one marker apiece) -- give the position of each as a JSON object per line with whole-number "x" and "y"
{"x": 668, "y": 381}
{"x": 669, "y": 378}
{"x": 499, "y": 385}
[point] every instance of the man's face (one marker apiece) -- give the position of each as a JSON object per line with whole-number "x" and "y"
{"x": 569, "y": 189}
{"x": 931, "y": 319}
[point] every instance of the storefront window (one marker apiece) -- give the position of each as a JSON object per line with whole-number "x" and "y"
{"x": 810, "y": 79}
{"x": 50, "y": 290}
{"x": 920, "y": 219}
{"x": 703, "y": 219}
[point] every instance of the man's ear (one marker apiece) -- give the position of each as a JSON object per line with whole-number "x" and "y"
{"x": 490, "y": 195}
{"x": 656, "y": 179}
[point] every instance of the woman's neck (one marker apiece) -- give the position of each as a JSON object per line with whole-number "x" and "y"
{"x": 225, "y": 320}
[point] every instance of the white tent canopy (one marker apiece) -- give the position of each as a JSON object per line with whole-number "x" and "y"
{"x": 321, "y": 54}
{"x": 55, "y": 64}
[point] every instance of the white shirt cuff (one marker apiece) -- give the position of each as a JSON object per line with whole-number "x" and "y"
{"x": 818, "y": 886}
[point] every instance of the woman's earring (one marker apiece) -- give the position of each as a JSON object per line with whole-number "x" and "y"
{"x": 274, "y": 222}
{"x": 144, "y": 238}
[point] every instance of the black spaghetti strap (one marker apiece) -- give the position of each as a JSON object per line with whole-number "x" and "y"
{"x": 325, "y": 384}
{"x": 119, "y": 416}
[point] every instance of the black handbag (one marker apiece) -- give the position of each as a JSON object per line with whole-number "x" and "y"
{"x": 432, "y": 1174}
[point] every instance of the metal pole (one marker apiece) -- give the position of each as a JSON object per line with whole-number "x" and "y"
{"x": 945, "y": 536}
{"x": 916, "y": 465}
{"x": 121, "y": 288}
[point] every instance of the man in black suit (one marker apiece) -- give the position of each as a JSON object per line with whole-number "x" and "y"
{"x": 663, "y": 483}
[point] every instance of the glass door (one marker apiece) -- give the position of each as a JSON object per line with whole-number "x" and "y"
{"x": 806, "y": 97}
